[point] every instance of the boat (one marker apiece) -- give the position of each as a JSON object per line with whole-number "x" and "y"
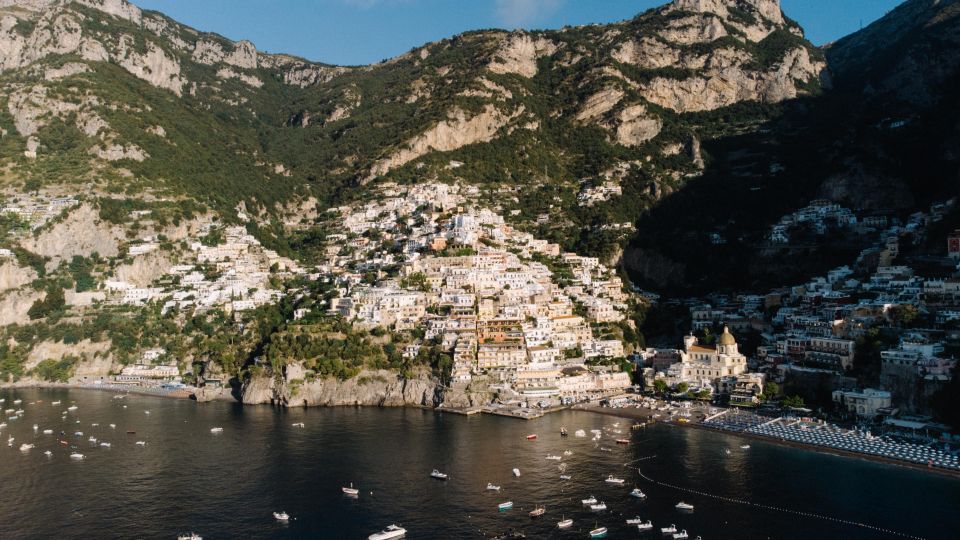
{"x": 212, "y": 430}
{"x": 567, "y": 453}
{"x": 516, "y": 472}
{"x": 538, "y": 511}
{"x": 563, "y": 432}
{"x": 565, "y": 477}
{"x": 113, "y": 426}
{"x": 565, "y": 523}
{"x": 744, "y": 446}
{"x": 48, "y": 432}
{"x": 72, "y": 408}
{"x": 645, "y": 526}
{"x": 532, "y": 436}
{"x": 189, "y": 536}
{"x": 141, "y": 443}
{"x": 131, "y": 432}
{"x": 438, "y": 475}
{"x": 589, "y": 501}
{"x": 392, "y": 531}
{"x": 599, "y": 532}
{"x": 684, "y": 506}
{"x": 35, "y": 427}
{"x": 634, "y": 521}
{"x": 17, "y": 401}
{"x": 105, "y": 445}
{"x": 554, "y": 458}
{"x": 491, "y": 487}
{"x": 352, "y": 491}
{"x": 505, "y": 506}
{"x": 599, "y": 507}
{"x": 62, "y": 442}
{"x": 614, "y": 480}
{"x": 76, "y": 455}
{"x": 669, "y": 530}
{"x": 10, "y": 441}
{"x": 54, "y": 402}
{"x": 727, "y": 452}
{"x": 605, "y": 449}
{"x": 281, "y": 516}
{"x": 298, "y": 424}
{"x": 580, "y": 433}
{"x": 623, "y": 441}
{"x": 638, "y": 494}
{"x": 47, "y": 453}
{"x": 681, "y": 535}
{"x": 25, "y": 447}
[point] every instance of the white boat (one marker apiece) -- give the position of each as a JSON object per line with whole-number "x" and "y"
{"x": 105, "y": 445}
{"x": 54, "y": 403}
{"x": 3, "y": 425}
{"x": 567, "y": 453}
{"x": 505, "y": 506}
{"x": 141, "y": 443}
{"x": 146, "y": 412}
{"x": 516, "y": 472}
{"x": 190, "y": 536}
{"x": 438, "y": 475}
{"x": 93, "y": 440}
{"x": 491, "y": 487}
{"x": 599, "y": 507}
{"x": 638, "y": 494}
{"x": 669, "y": 530}
{"x": 538, "y": 511}
{"x": 76, "y": 455}
{"x": 17, "y": 401}
{"x": 48, "y": 432}
{"x": 589, "y": 501}
{"x": 8, "y": 411}
{"x": 72, "y": 408}
{"x": 10, "y": 441}
{"x": 35, "y": 427}
{"x": 350, "y": 490}
{"x": 580, "y": 433}
{"x": 565, "y": 523}
{"x": 614, "y": 480}
{"x": 645, "y": 526}
{"x": 393, "y": 531}
{"x": 281, "y": 516}
{"x": 25, "y": 447}
{"x": 684, "y": 506}
{"x": 94, "y": 425}
{"x": 47, "y": 453}
{"x": 554, "y": 458}
{"x": 600, "y": 532}
{"x": 681, "y": 535}
{"x": 113, "y": 426}
{"x": 727, "y": 451}
{"x": 298, "y": 424}
{"x": 565, "y": 477}
{"x": 634, "y": 521}
{"x": 216, "y": 430}
{"x": 744, "y": 446}
{"x": 78, "y": 434}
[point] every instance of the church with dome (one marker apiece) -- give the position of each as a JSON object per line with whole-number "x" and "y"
{"x": 705, "y": 365}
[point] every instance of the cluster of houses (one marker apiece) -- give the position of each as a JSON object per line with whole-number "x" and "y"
{"x": 591, "y": 195}
{"x": 508, "y": 307}
{"x": 37, "y": 210}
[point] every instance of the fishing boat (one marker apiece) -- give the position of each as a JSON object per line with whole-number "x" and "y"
{"x": 634, "y": 521}
{"x": 189, "y": 536}
{"x": 681, "y": 535}
{"x": 491, "y": 487}
{"x": 589, "y": 501}
{"x": 638, "y": 494}
{"x": 532, "y": 437}
{"x": 438, "y": 475}
{"x": 554, "y": 458}
{"x": 281, "y": 516}
{"x": 565, "y": 523}
{"x": 565, "y": 477}
{"x": 516, "y": 472}
{"x": 212, "y": 430}
{"x": 645, "y": 526}
{"x": 505, "y": 506}
{"x": 614, "y": 480}
{"x": 684, "y": 506}
{"x": 538, "y": 511}
{"x": 599, "y": 532}
{"x": 392, "y": 531}
{"x": 669, "y": 530}
{"x": 352, "y": 491}
{"x": 599, "y": 507}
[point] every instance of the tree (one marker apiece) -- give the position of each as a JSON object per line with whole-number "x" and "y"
{"x": 770, "y": 391}
{"x": 660, "y": 386}
{"x": 703, "y": 394}
{"x": 793, "y": 402}
{"x": 683, "y": 387}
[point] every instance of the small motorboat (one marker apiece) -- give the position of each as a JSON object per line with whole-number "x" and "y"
{"x": 298, "y": 424}
{"x": 634, "y": 521}
{"x": 17, "y": 401}
{"x": 669, "y": 530}
{"x": 189, "y": 536}
{"x": 516, "y": 472}
{"x": 48, "y": 432}
{"x": 505, "y": 506}
{"x": 392, "y": 531}
{"x": 614, "y": 480}
{"x": 113, "y": 426}
{"x": 491, "y": 487}
{"x": 645, "y": 526}
{"x": 638, "y": 494}
{"x": 72, "y": 408}
{"x": 684, "y": 506}
{"x": 214, "y": 430}
{"x": 744, "y": 446}
{"x": 47, "y": 453}
{"x": 599, "y": 532}
{"x": 62, "y": 442}
{"x": 599, "y": 507}
{"x": 35, "y": 428}
{"x": 438, "y": 475}
{"x": 26, "y": 447}
{"x": 565, "y": 523}
{"x": 681, "y": 535}
{"x": 532, "y": 436}
{"x": 565, "y": 477}
{"x": 580, "y": 433}
{"x": 538, "y": 511}
{"x": 623, "y": 441}
{"x": 352, "y": 491}
{"x": 76, "y": 455}
{"x": 55, "y": 402}
{"x": 141, "y": 443}
{"x": 554, "y": 457}
{"x": 589, "y": 501}
{"x": 563, "y": 432}
{"x": 105, "y": 445}
{"x": 281, "y": 516}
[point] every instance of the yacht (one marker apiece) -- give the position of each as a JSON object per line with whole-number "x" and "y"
{"x": 645, "y": 526}
{"x": 491, "y": 487}
{"x": 350, "y": 490}
{"x": 516, "y": 472}
{"x": 281, "y": 516}
{"x": 589, "y": 501}
{"x": 216, "y": 430}
{"x": 438, "y": 475}
{"x": 634, "y": 521}
{"x": 684, "y": 506}
{"x": 393, "y": 531}
{"x": 681, "y": 535}
{"x": 538, "y": 511}
{"x": 189, "y": 536}
{"x": 505, "y": 506}
{"x": 669, "y": 530}
{"x": 614, "y": 480}
{"x": 638, "y": 494}
{"x": 599, "y": 532}
{"x": 599, "y": 507}
{"x": 76, "y": 455}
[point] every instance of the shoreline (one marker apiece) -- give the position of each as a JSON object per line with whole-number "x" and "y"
{"x": 113, "y": 389}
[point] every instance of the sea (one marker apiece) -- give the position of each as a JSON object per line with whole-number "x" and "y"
{"x": 186, "y": 478}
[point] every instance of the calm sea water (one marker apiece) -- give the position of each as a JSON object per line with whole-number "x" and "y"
{"x": 227, "y": 485}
